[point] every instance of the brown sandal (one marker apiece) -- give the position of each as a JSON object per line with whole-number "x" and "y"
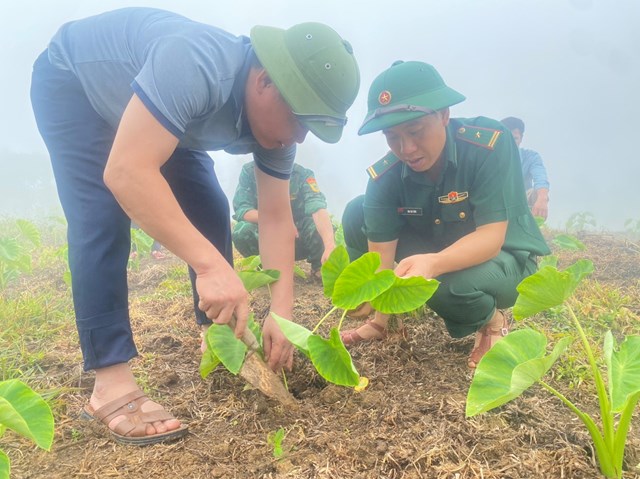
{"x": 351, "y": 337}
{"x": 487, "y": 340}
{"x": 132, "y": 430}
{"x": 362, "y": 311}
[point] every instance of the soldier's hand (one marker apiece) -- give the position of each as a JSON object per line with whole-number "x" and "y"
{"x": 278, "y": 350}
{"x": 221, "y": 295}
{"x": 416, "y": 265}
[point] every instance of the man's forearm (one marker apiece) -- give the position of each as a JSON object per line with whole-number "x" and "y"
{"x": 325, "y": 228}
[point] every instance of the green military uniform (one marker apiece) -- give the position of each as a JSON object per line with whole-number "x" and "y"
{"x": 306, "y": 199}
{"x": 479, "y": 184}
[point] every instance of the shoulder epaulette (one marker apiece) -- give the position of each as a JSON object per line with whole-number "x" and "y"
{"x": 484, "y": 137}
{"x": 383, "y": 165}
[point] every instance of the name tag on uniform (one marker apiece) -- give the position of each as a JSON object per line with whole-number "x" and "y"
{"x": 410, "y": 211}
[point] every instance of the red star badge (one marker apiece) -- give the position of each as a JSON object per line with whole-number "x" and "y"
{"x": 453, "y": 196}
{"x": 384, "y": 98}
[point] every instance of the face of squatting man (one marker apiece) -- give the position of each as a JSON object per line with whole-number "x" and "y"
{"x": 272, "y": 122}
{"x": 419, "y": 143}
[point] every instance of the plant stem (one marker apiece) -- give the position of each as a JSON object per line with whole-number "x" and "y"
{"x": 284, "y": 379}
{"x": 323, "y": 319}
{"x": 608, "y": 429}
{"x": 605, "y": 458}
{"x": 344, "y": 313}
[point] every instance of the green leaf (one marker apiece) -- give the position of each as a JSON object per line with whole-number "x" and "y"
{"x": 406, "y": 294}
{"x": 296, "y": 334}
{"x": 623, "y": 367}
{"x": 29, "y": 231}
{"x": 208, "y": 362}
{"x": 250, "y": 263}
{"x": 360, "y": 283}
{"x": 568, "y": 242}
{"x": 549, "y": 260}
{"x": 254, "y": 327}
{"x": 224, "y": 344}
{"x": 10, "y": 249}
{"x": 539, "y": 220}
{"x": 547, "y": 288}
{"x": 256, "y": 279}
{"x": 332, "y": 268}
{"x": 25, "y": 412}
{"x": 332, "y": 360}
{"x": 510, "y": 367}
{"x": 580, "y": 269}
{"x": 299, "y": 272}
{"x": 5, "y": 466}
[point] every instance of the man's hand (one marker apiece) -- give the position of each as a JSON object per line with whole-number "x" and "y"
{"x": 278, "y": 350}
{"x": 327, "y": 252}
{"x": 221, "y": 295}
{"x": 541, "y": 204}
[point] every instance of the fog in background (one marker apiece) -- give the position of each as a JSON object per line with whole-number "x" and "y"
{"x": 569, "y": 68}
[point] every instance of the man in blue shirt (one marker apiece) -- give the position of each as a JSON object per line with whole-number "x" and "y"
{"x": 534, "y": 173}
{"x": 128, "y": 102}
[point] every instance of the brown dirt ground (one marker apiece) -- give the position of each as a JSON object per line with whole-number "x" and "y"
{"x": 409, "y": 423}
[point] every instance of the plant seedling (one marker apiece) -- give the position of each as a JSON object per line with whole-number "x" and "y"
{"x": 15, "y": 255}
{"x": 349, "y": 285}
{"x": 25, "y": 412}
{"x": 520, "y": 360}
{"x": 275, "y": 439}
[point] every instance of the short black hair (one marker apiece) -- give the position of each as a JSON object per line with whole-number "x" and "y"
{"x": 513, "y": 123}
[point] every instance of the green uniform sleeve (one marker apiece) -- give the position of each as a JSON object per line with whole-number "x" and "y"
{"x": 246, "y": 196}
{"x": 383, "y": 197}
{"x": 308, "y": 190}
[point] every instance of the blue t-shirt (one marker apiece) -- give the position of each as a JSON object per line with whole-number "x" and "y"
{"x": 190, "y": 76}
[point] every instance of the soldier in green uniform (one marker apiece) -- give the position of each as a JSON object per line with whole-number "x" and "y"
{"x": 315, "y": 235}
{"x": 447, "y": 202}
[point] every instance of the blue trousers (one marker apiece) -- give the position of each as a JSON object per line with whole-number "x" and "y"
{"x": 466, "y": 299}
{"x": 79, "y": 142}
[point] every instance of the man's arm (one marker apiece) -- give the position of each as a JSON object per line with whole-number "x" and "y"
{"x": 276, "y": 244}
{"x": 141, "y": 146}
{"x": 325, "y": 230}
{"x": 538, "y": 174}
{"x": 473, "y": 249}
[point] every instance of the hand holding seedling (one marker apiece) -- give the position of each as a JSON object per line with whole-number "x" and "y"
{"x": 222, "y": 295}
{"x": 278, "y": 351}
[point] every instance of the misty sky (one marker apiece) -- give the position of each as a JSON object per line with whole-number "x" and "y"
{"x": 569, "y": 68}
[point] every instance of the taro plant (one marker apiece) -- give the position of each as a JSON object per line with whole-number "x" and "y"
{"x": 222, "y": 345}
{"x": 15, "y": 252}
{"x": 349, "y": 285}
{"x": 26, "y": 413}
{"x": 141, "y": 244}
{"x": 520, "y": 360}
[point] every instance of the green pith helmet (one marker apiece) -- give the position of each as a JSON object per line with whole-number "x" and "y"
{"x": 315, "y": 72}
{"x": 404, "y": 92}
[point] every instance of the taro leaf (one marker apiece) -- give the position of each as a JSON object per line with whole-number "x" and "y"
{"x": 568, "y": 242}
{"x": 25, "y": 412}
{"x": 29, "y": 231}
{"x": 250, "y": 263}
{"x": 332, "y": 360}
{"x": 623, "y": 367}
{"x": 296, "y": 334}
{"x": 255, "y": 279}
{"x": 549, "y": 260}
{"x": 208, "y": 362}
{"x": 10, "y": 249}
{"x": 539, "y": 220}
{"x": 580, "y": 269}
{"x": 254, "y": 327}
{"x": 509, "y": 368}
{"x": 224, "y": 344}
{"x": 299, "y": 272}
{"x": 547, "y": 288}
{"x": 5, "y": 466}
{"x": 332, "y": 268}
{"x": 360, "y": 283}
{"x": 406, "y": 294}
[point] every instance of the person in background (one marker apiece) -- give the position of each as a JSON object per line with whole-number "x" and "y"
{"x": 534, "y": 172}
{"x": 314, "y": 231}
{"x": 447, "y": 202}
{"x": 128, "y": 102}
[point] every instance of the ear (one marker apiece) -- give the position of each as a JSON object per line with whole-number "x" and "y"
{"x": 262, "y": 80}
{"x": 444, "y": 114}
